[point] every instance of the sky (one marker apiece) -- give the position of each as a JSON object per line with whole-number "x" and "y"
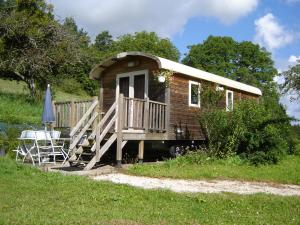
{"x": 273, "y": 24}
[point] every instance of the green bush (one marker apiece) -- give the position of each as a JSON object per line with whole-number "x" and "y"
{"x": 9, "y": 141}
{"x": 250, "y": 130}
{"x": 71, "y": 86}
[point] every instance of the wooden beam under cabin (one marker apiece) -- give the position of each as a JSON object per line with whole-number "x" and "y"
{"x": 141, "y": 151}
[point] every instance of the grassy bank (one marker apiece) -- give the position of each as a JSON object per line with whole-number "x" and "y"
{"x": 286, "y": 171}
{"x": 29, "y": 196}
{"x": 15, "y": 107}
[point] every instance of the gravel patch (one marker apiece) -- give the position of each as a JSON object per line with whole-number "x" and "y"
{"x": 193, "y": 186}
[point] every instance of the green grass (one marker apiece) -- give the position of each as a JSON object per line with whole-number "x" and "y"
{"x": 286, "y": 171}
{"x": 29, "y": 196}
{"x": 15, "y": 107}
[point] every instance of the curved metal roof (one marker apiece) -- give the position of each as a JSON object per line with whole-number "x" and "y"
{"x": 176, "y": 67}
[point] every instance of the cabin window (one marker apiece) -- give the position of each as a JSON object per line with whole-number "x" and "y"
{"x": 229, "y": 100}
{"x": 194, "y": 94}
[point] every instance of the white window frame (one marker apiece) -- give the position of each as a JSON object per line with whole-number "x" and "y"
{"x": 227, "y": 102}
{"x": 199, "y": 92}
{"x": 131, "y": 82}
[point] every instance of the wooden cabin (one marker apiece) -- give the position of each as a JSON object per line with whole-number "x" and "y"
{"x": 135, "y": 104}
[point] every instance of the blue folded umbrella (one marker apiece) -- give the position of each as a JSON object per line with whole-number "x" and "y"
{"x": 48, "y": 114}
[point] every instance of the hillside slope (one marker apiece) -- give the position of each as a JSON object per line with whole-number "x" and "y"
{"x": 15, "y": 107}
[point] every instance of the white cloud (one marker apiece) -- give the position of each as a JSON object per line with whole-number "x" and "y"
{"x": 293, "y": 59}
{"x": 292, "y": 107}
{"x": 292, "y": 1}
{"x": 166, "y": 17}
{"x": 270, "y": 33}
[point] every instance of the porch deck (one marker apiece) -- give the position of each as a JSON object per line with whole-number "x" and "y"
{"x": 127, "y": 119}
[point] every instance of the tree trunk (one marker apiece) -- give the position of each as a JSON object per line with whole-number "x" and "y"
{"x": 32, "y": 88}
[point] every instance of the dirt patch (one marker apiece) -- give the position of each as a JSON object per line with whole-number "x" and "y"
{"x": 193, "y": 186}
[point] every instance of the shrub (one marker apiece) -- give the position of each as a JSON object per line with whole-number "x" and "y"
{"x": 9, "y": 141}
{"x": 250, "y": 130}
{"x": 71, "y": 86}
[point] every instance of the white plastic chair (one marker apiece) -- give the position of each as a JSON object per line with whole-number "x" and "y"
{"x": 44, "y": 146}
{"x": 24, "y": 149}
{"x": 58, "y": 144}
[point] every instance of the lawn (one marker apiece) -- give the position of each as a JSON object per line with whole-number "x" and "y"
{"x": 29, "y": 196}
{"x": 286, "y": 171}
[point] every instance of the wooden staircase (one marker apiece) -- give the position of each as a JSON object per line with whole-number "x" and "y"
{"x": 92, "y": 136}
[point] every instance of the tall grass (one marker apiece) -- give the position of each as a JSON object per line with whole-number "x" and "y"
{"x": 16, "y": 109}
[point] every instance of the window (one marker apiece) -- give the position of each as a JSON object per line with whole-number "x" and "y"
{"x": 229, "y": 100}
{"x": 194, "y": 94}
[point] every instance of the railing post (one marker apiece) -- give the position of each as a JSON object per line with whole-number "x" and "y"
{"x": 141, "y": 151}
{"x": 168, "y": 110}
{"x": 72, "y": 115}
{"x": 146, "y": 115}
{"x": 97, "y": 109}
{"x": 119, "y": 112}
{"x": 54, "y": 111}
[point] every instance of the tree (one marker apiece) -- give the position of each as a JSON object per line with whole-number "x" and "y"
{"x": 147, "y": 42}
{"x": 83, "y": 38}
{"x": 7, "y": 4}
{"x": 103, "y": 41}
{"x": 292, "y": 80}
{"x": 241, "y": 61}
{"x": 33, "y": 46}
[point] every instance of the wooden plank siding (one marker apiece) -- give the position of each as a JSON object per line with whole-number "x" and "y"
{"x": 178, "y": 94}
{"x": 109, "y": 79}
{"x": 182, "y": 113}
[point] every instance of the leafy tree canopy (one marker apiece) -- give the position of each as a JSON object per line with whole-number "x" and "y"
{"x": 103, "y": 41}
{"x": 292, "y": 80}
{"x": 71, "y": 26}
{"x": 147, "y": 42}
{"x": 33, "y": 46}
{"x": 242, "y": 61}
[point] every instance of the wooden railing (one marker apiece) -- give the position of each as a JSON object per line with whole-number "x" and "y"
{"x": 69, "y": 113}
{"x": 144, "y": 114}
{"x": 138, "y": 114}
{"x": 157, "y": 116}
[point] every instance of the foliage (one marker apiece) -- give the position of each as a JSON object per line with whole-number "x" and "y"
{"x": 292, "y": 80}
{"x": 82, "y": 36}
{"x": 199, "y": 165}
{"x": 241, "y": 61}
{"x": 16, "y": 109}
{"x": 71, "y": 86}
{"x": 79, "y": 69}
{"x": 35, "y": 48}
{"x": 107, "y": 203}
{"x": 9, "y": 141}
{"x": 167, "y": 74}
{"x": 296, "y": 139}
{"x": 103, "y": 41}
{"x": 147, "y": 42}
{"x": 252, "y": 129}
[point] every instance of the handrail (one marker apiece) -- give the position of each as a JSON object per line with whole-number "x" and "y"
{"x": 159, "y": 103}
{"x": 103, "y": 120}
{"x": 77, "y": 101}
{"x": 84, "y": 117}
{"x": 77, "y": 139}
{"x": 135, "y": 99}
{"x": 145, "y": 114}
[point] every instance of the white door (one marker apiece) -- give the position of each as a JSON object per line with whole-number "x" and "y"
{"x": 133, "y": 85}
